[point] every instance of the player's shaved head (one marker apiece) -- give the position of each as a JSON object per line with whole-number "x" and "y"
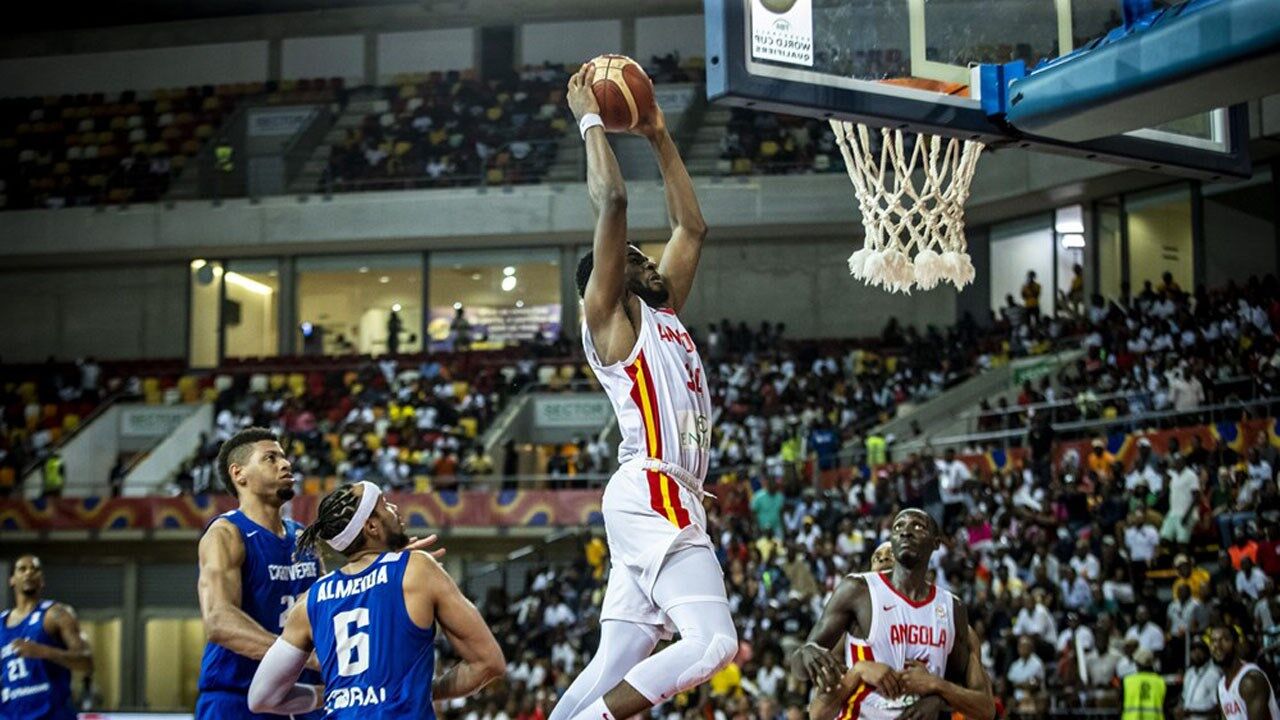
{"x": 882, "y": 557}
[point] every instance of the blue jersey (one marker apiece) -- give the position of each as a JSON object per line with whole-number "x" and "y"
{"x": 32, "y": 689}
{"x": 270, "y": 581}
{"x": 376, "y": 662}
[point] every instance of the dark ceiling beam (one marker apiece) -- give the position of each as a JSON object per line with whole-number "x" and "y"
{"x": 424, "y": 15}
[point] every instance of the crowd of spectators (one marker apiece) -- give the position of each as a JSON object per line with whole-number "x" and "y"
{"x": 1161, "y": 350}
{"x": 98, "y": 148}
{"x": 454, "y": 128}
{"x": 757, "y": 143}
{"x": 41, "y": 405}
{"x": 1069, "y": 584}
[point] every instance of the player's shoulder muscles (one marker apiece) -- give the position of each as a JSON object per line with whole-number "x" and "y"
{"x": 221, "y": 555}
{"x": 425, "y": 584}
{"x": 61, "y": 618}
{"x": 841, "y": 612}
{"x": 1255, "y": 689}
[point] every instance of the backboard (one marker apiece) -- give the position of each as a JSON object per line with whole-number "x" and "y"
{"x": 911, "y": 64}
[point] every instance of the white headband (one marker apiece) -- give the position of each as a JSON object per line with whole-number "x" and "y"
{"x": 368, "y": 499}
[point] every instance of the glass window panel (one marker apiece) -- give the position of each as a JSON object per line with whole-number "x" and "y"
{"x": 250, "y": 314}
{"x": 206, "y": 292}
{"x": 504, "y": 296}
{"x": 350, "y": 304}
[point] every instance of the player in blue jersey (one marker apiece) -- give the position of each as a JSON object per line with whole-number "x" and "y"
{"x": 372, "y": 624}
{"x": 249, "y": 574}
{"x": 40, "y": 644}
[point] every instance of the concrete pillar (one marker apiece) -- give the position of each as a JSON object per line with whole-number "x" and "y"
{"x": 275, "y": 59}
{"x": 132, "y": 645}
{"x": 629, "y": 38}
{"x": 287, "y": 307}
{"x": 569, "y": 291}
{"x": 371, "y": 58}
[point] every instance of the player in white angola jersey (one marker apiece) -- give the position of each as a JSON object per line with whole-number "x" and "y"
{"x": 664, "y": 574}
{"x": 906, "y": 645}
{"x": 1244, "y": 692}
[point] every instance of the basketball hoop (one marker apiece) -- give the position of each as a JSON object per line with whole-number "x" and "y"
{"x": 914, "y": 236}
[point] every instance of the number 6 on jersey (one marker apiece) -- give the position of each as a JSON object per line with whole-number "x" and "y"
{"x": 352, "y": 650}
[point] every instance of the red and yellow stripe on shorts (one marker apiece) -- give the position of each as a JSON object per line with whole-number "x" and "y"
{"x": 850, "y": 709}
{"x": 664, "y": 494}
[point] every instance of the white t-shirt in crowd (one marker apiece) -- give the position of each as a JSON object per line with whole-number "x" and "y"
{"x": 1142, "y": 542}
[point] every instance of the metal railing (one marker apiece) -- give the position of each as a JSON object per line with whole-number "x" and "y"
{"x": 530, "y": 171}
{"x": 1073, "y": 402}
{"x": 1080, "y": 428}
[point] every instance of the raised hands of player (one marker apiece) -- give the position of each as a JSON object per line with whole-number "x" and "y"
{"x": 652, "y": 122}
{"x": 425, "y": 544}
{"x": 582, "y": 99}
{"x": 917, "y": 680}
{"x": 882, "y": 677}
{"x": 817, "y": 665}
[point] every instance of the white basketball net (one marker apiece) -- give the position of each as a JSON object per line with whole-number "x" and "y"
{"x": 915, "y": 236}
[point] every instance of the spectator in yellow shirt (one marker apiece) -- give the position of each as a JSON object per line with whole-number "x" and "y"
{"x": 727, "y": 682}
{"x": 1188, "y": 574}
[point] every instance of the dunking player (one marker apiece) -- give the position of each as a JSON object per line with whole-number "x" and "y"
{"x": 903, "y": 649}
{"x": 250, "y": 574}
{"x": 1244, "y": 692}
{"x": 372, "y": 623}
{"x": 40, "y": 644}
{"x": 663, "y": 570}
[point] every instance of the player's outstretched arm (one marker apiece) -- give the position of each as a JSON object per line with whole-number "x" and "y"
{"x": 967, "y": 689}
{"x": 429, "y": 588}
{"x": 814, "y": 661}
{"x": 688, "y": 229}
{"x": 225, "y": 623}
{"x": 275, "y": 687}
{"x": 61, "y": 622}
{"x": 604, "y": 292}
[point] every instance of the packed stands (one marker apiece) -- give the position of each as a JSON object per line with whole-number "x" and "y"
{"x": 447, "y": 129}
{"x": 109, "y": 148}
{"x": 1165, "y": 351}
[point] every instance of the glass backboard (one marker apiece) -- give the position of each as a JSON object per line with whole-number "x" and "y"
{"x": 911, "y": 64}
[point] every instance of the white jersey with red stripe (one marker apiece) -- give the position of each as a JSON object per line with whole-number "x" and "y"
{"x": 901, "y": 631}
{"x": 1232, "y": 703}
{"x": 659, "y": 393}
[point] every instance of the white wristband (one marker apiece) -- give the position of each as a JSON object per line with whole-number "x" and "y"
{"x": 587, "y": 122}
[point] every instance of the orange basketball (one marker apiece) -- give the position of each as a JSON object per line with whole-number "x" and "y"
{"x": 623, "y": 90}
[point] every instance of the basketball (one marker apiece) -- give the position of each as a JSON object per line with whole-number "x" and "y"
{"x": 623, "y": 90}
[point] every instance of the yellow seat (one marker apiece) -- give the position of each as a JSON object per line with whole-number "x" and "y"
{"x": 297, "y": 383}
{"x": 277, "y": 380}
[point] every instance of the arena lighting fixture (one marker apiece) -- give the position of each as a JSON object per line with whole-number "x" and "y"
{"x": 364, "y": 269}
{"x": 197, "y": 264}
{"x": 1073, "y": 241}
{"x": 457, "y": 306}
{"x": 1069, "y": 220}
{"x": 509, "y": 283}
{"x": 384, "y": 279}
{"x": 475, "y": 276}
{"x": 249, "y": 284}
{"x": 519, "y": 303}
{"x": 395, "y": 308}
{"x": 508, "y": 271}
